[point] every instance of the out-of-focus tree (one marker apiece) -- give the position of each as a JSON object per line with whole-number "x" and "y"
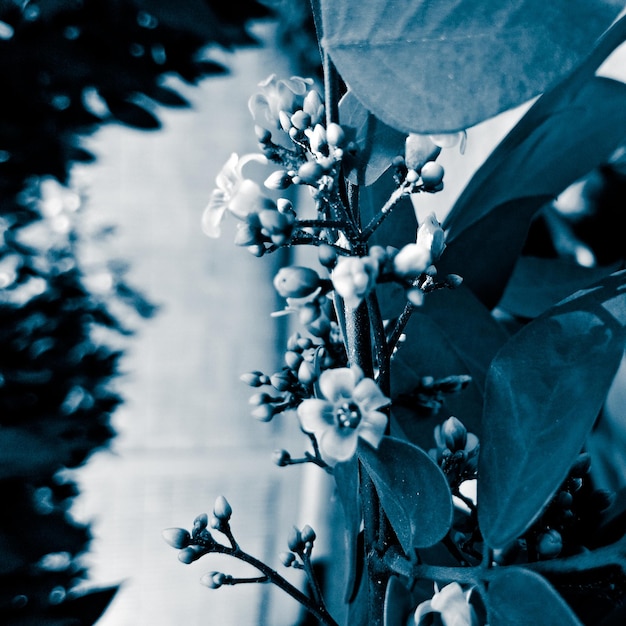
{"x": 66, "y": 68}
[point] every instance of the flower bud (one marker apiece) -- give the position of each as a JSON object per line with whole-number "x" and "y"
{"x": 317, "y": 138}
{"x": 278, "y": 180}
{"x": 176, "y": 537}
{"x": 262, "y": 134}
{"x": 296, "y": 282}
{"x": 293, "y": 359}
{"x": 306, "y": 373}
{"x": 335, "y": 135}
{"x": 285, "y": 120}
{"x": 308, "y": 534}
{"x": 314, "y": 106}
{"x": 254, "y": 379}
{"x": 310, "y": 172}
{"x": 432, "y": 174}
{"x": 301, "y": 119}
{"x": 212, "y": 580}
{"x": 281, "y": 380}
{"x": 581, "y": 465}
{"x": 418, "y": 150}
{"x": 294, "y": 540}
{"x": 549, "y": 544}
{"x": 264, "y": 412}
{"x": 247, "y": 235}
{"x": 190, "y": 554}
{"x": 454, "y": 280}
{"x": 257, "y": 250}
{"x": 327, "y": 256}
{"x": 222, "y": 509}
{"x": 201, "y": 522}
{"x": 454, "y": 434}
{"x": 274, "y": 222}
{"x": 281, "y": 457}
{"x": 285, "y": 206}
{"x": 287, "y": 558}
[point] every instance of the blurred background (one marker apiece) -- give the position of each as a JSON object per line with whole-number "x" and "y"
{"x": 124, "y": 329}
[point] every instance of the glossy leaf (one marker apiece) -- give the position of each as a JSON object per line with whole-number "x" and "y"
{"x": 347, "y": 481}
{"x": 378, "y": 143}
{"x": 451, "y": 334}
{"x": 518, "y": 597}
{"x": 543, "y": 392}
{"x": 452, "y": 65}
{"x": 501, "y": 200}
{"x": 412, "y": 489}
{"x": 539, "y": 283}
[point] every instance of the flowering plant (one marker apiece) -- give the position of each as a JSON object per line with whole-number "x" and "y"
{"x": 458, "y": 416}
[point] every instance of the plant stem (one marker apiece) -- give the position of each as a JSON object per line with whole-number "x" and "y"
{"x": 376, "y": 221}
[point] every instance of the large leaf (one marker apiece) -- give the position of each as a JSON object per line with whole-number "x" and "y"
{"x": 543, "y": 393}
{"x": 518, "y": 597}
{"x": 378, "y": 143}
{"x": 412, "y": 489}
{"x": 537, "y": 284}
{"x": 424, "y": 66}
{"x": 559, "y": 150}
{"x": 451, "y": 334}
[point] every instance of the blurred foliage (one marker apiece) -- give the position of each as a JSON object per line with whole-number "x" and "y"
{"x": 66, "y": 68}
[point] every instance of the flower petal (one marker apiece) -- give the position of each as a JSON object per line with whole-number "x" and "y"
{"x": 214, "y": 214}
{"x": 228, "y": 177}
{"x": 338, "y": 444}
{"x": 316, "y": 415}
{"x": 369, "y": 396}
{"x": 372, "y": 427}
{"x": 338, "y": 384}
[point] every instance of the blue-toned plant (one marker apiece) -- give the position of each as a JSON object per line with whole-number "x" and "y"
{"x": 434, "y": 356}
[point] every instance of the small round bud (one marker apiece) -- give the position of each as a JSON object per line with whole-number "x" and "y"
{"x": 454, "y": 434}
{"x": 258, "y": 399}
{"x": 294, "y": 540}
{"x": 263, "y": 413}
{"x": 256, "y": 250}
{"x": 201, "y": 522}
{"x": 418, "y": 150}
{"x": 275, "y": 222}
{"x": 327, "y": 256}
{"x": 254, "y": 379}
{"x": 287, "y": 558}
{"x": 293, "y": 359}
{"x": 296, "y": 282}
{"x": 310, "y": 172}
{"x": 285, "y": 207}
{"x": 306, "y": 373}
{"x": 454, "y": 280}
{"x": 176, "y": 537}
{"x": 285, "y": 120}
{"x": 304, "y": 343}
{"x": 565, "y": 499}
{"x": 278, "y": 180}
{"x": 281, "y": 380}
{"x": 222, "y": 509}
{"x": 308, "y": 534}
{"x": 335, "y": 135}
{"x": 432, "y": 174}
{"x": 549, "y": 544}
{"x": 301, "y": 120}
{"x": 412, "y": 176}
{"x": 190, "y": 554}
{"x": 292, "y": 342}
{"x": 212, "y": 580}
{"x": 281, "y": 458}
{"x": 247, "y": 235}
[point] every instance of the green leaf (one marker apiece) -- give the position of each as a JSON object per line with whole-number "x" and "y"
{"x": 537, "y": 284}
{"x": 378, "y": 143}
{"x": 431, "y": 67}
{"x": 412, "y": 489}
{"x": 518, "y": 597}
{"x": 543, "y": 392}
{"x": 548, "y": 150}
{"x": 347, "y": 480}
{"x": 451, "y": 334}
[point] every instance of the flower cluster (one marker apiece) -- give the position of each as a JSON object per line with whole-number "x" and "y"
{"x": 456, "y": 452}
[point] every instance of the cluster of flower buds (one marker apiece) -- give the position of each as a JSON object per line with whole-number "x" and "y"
{"x": 418, "y": 166}
{"x": 300, "y": 543}
{"x": 191, "y": 546}
{"x": 429, "y": 394}
{"x": 272, "y": 225}
{"x": 456, "y": 452}
{"x": 572, "y": 517}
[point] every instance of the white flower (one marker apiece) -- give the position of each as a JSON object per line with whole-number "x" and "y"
{"x": 452, "y": 606}
{"x": 415, "y": 258}
{"x": 234, "y": 193}
{"x": 354, "y": 277}
{"x": 347, "y": 410}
